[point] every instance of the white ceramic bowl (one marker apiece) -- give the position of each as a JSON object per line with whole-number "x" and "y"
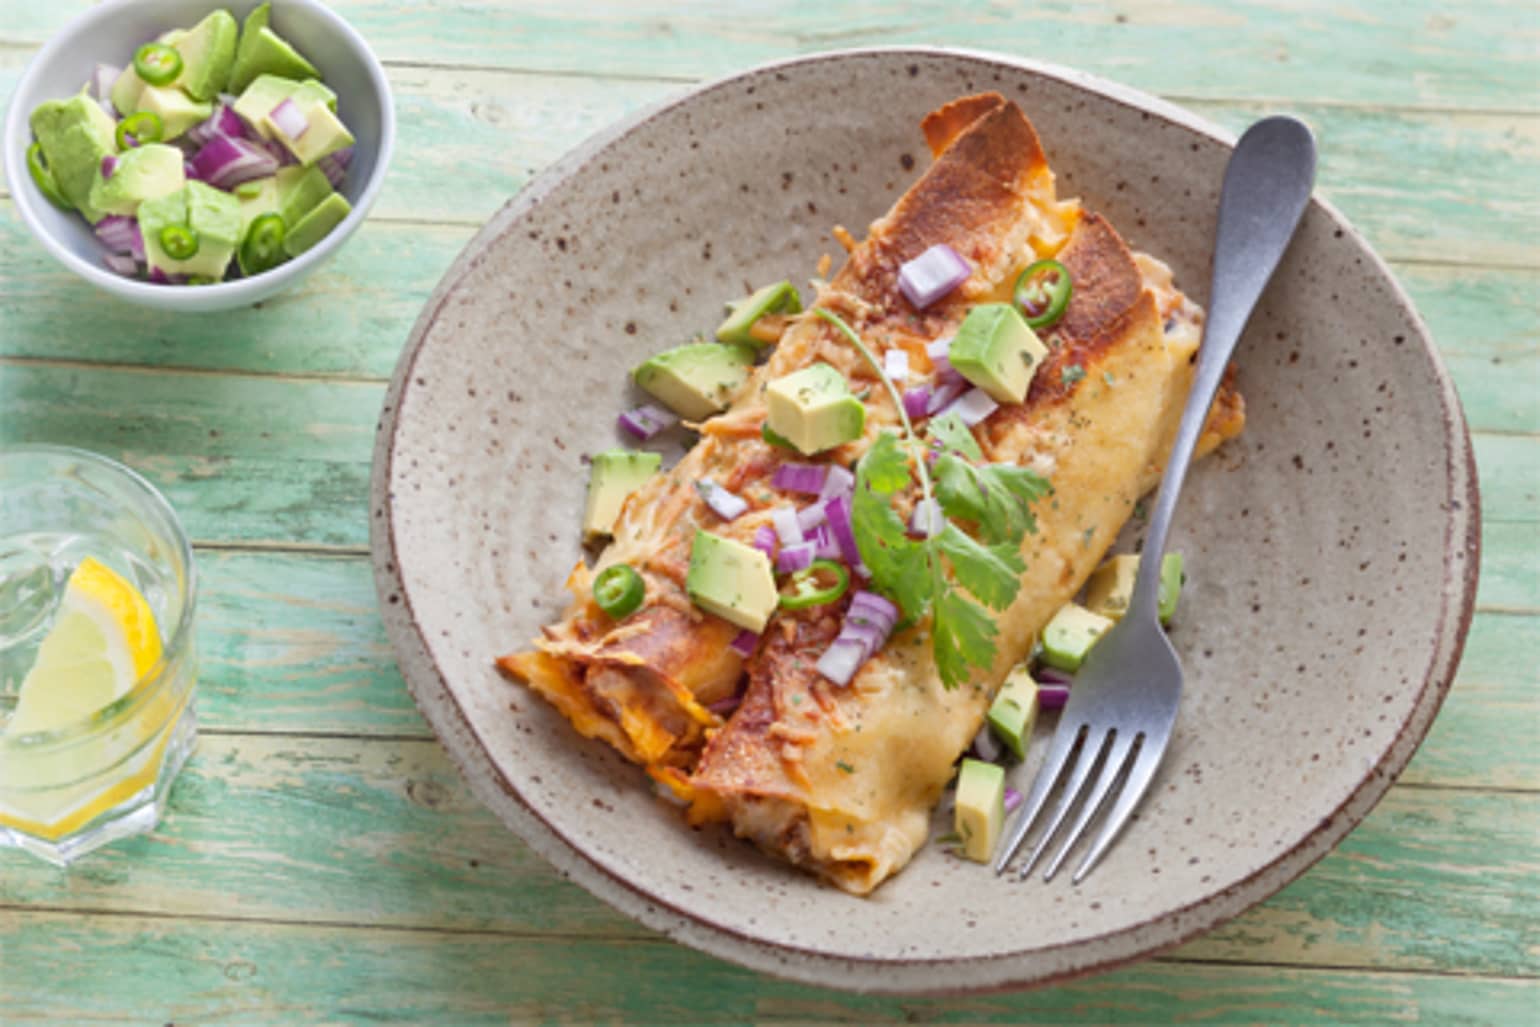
{"x": 1331, "y": 548}
{"x": 108, "y": 34}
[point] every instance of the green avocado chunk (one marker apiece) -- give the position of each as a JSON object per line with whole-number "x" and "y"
{"x": 263, "y": 51}
{"x": 259, "y": 98}
{"x": 996, "y": 350}
{"x": 324, "y": 132}
{"x": 300, "y": 190}
{"x": 256, "y": 197}
{"x": 316, "y": 224}
{"x": 143, "y": 173}
{"x": 208, "y": 55}
{"x": 1111, "y": 587}
{"x": 177, "y": 111}
{"x": 75, "y": 135}
{"x": 613, "y": 475}
{"x": 731, "y": 580}
{"x": 1014, "y": 711}
{"x": 779, "y": 298}
{"x": 697, "y": 379}
{"x": 1070, "y": 635}
{"x": 214, "y": 218}
{"x": 980, "y": 811}
{"x": 814, "y": 409}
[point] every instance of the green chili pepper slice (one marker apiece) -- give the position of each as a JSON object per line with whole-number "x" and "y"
{"x": 262, "y": 249}
{"x": 157, "y": 63}
{"x": 43, "y": 178}
{"x": 619, "y": 590}
{"x": 179, "y": 242}
{"x": 805, "y": 588}
{"x": 1042, "y": 293}
{"x": 143, "y": 127}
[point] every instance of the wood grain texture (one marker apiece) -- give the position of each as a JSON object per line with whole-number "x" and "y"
{"x": 383, "y": 833}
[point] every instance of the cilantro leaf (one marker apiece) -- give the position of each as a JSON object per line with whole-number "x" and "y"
{"x": 996, "y": 497}
{"x": 992, "y": 573}
{"x": 954, "y": 436}
{"x": 963, "y": 634}
{"x": 900, "y": 567}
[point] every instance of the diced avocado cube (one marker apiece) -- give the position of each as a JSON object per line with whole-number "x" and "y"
{"x": 813, "y": 409}
{"x": 263, "y": 51}
{"x": 731, "y": 580}
{"x": 779, "y": 298}
{"x": 996, "y": 350}
{"x": 697, "y": 379}
{"x": 1070, "y": 635}
{"x": 614, "y": 475}
{"x": 177, "y": 111}
{"x": 257, "y": 197}
{"x": 980, "y": 810}
{"x": 323, "y": 133}
{"x": 143, "y": 173}
{"x": 208, "y": 55}
{"x": 300, "y": 190}
{"x": 1014, "y": 711}
{"x": 75, "y": 135}
{"x": 316, "y": 225}
{"x": 1171, "y": 580}
{"x": 259, "y": 98}
{"x": 214, "y": 218}
{"x": 1111, "y": 588}
{"x": 313, "y": 90}
{"x": 126, "y": 89}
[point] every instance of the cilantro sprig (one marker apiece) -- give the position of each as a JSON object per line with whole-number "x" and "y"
{"x": 957, "y": 577}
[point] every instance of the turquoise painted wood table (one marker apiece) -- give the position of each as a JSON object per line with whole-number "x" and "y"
{"x": 321, "y": 860}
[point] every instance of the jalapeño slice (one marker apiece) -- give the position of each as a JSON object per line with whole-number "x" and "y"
{"x": 1042, "y": 293}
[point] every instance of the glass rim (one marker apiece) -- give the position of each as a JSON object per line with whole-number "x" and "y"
{"x": 147, "y": 685}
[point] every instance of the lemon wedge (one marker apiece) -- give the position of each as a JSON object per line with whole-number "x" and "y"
{"x": 103, "y": 639}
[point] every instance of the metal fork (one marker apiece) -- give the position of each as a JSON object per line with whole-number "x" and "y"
{"x": 1118, "y": 720}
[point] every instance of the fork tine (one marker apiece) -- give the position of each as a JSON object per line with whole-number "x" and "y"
{"x": 1042, "y": 786}
{"x": 1111, "y": 770}
{"x": 1139, "y": 777}
{"x": 1088, "y": 762}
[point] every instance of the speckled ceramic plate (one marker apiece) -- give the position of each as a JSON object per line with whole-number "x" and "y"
{"x": 1331, "y": 548}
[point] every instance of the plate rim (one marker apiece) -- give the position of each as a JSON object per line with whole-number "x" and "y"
{"x": 940, "y": 975}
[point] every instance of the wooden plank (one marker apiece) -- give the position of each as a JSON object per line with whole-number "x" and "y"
{"x": 1509, "y": 467}
{"x": 1419, "y": 52}
{"x": 1418, "y": 183}
{"x": 245, "y": 459}
{"x": 177, "y": 970}
{"x": 384, "y": 833}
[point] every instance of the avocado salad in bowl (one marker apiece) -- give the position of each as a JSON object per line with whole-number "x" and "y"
{"x": 178, "y": 144}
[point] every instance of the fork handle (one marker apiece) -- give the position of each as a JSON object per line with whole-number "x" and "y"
{"x": 1266, "y": 187}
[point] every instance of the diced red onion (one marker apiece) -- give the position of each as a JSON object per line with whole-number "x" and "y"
{"x": 895, "y": 364}
{"x": 795, "y": 477}
{"x": 335, "y": 165}
{"x": 109, "y": 165}
{"x": 927, "y": 519}
{"x": 289, "y": 119}
{"x": 159, "y": 277}
{"x": 839, "y": 482}
{"x": 932, "y": 275}
{"x": 119, "y": 234}
{"x": 764, "y": 540}
{"x": 190, "y": 170}
{"x": 787, "y": 528}
{"x": 837, "y": 510}
{"x": 809, "y": 517}
{"x": 724, "y": 504}
{"x": 937, "y": 349}
{"x": 915, "y": 402}
{"x": 879, "y": 608}
{"x": 825, "y": 545}
{"x": 646, "y": 421}
{"x": 841, "y": 660}
{"x": 1013, "y": 799}
{"x": 120, "y": 263}
{"x": 744, "y": 644}
{"x": 1051, "y": 697}
{"x": 871, "y": 635}
{"x": 985, "y": 745}
{"x": 973, "y": 406}
{"x": 795, "y": 558}
{"x": 225, "y": 163}
{"x": 943, "y": 396}
{"x": 223, "y": 122}
{"x": 102, "y": 79}
{"x": 1047, "y": 675}
{"x": 722, "y": 707}
{"x": 276, "y": 150}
